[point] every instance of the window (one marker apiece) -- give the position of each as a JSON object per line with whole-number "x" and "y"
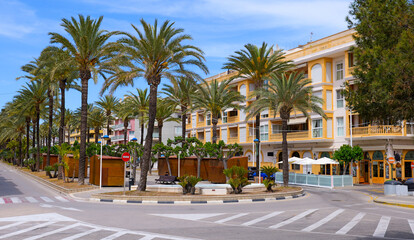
{"x": 351, "y": 62}
{"x": 208, "y": 121}
{"x": 295, "y": 166}
{"x": 178, "y": 130}
{"x": 328, "y": 72}
{"x": 156, "y": 133}
{"x": 319, "y": 95}
{"x": 340, "y": 127}
{"x": 339, "y": 99}
{"x": 328, "y": 100}
{"x": 276, "y": 128}
{"x": 243, "y": 90}
{"x": 200, "y": 118}
{"x": 233, "y": 113}
{"x": 251, "y": 87}
{"x": 339, "y": 71}
{"x": 264, "y": 132}
{"x": 316, "y": 73}
{"x": 266, "y": 84}
{"x": 375, "y": 168}
{"x": 264, "y": 115}
{"x": 377, "y": 155}
{"x": 317, "y": 128}
{"x": 131, "y": 133}
{"x": 188, "y": 119}
{"x": 270, "y": 154}
{"x": 224, "y": 117}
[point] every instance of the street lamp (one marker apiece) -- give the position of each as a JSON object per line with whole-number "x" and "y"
{"x": 257, "y": 143}
{"x": 100, "y": 166}
{"x": 134, "y": 169}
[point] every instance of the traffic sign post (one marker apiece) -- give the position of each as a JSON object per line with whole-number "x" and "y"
{"x": 125, "y": 157}
{"x": 391, "y": 161}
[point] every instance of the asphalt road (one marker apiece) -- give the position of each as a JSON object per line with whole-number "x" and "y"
{"x": 31, "y": 211}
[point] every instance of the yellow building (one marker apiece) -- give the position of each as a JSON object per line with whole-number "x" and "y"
{"x": 75, "y": 135}
{"x": 328, "y": 62}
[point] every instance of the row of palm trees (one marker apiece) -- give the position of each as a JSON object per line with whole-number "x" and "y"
{"x": 152, "y": 52}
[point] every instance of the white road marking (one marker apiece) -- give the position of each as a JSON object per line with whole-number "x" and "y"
{"x": 45, "y": 217}
{"x": 31, "y": 199}
{"x": 345, "y": 229}
{"x": 64, "y": 208}
{"x": 382, "y": 227}
{"x": 231, "y": 218}
{"x": 193, "y": 217}
{"x": 2, "y": 201}
{"x": 148, "y": 237}
{"x": 115, "y": 235}
{"x": 411, "y": 223}
{"x": 62, "y": 199}
{"x": 11, "y": 225}
{"x": 323, "y": 221}
{"x": 82, "y": 234}
{"x": 15, "y": 200}
{"x": 46, "y": 199}
{"x": 295, "y": 218}
{"x": 261, "y": 218}
{"x": 26, "y": 230}
{"x": 53, "y": 232}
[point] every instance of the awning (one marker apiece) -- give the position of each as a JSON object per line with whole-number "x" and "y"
{"x": 294, "y": 121}
{"x": 229, "y": 110}
{"x": 325, "y": 160}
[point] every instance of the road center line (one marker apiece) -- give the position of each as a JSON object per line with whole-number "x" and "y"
{"x": 261, "y": 218}
{"x": 382, "y": 227}
{"x": 323, "y": 221}
{"x": 26, "y": 230}
{"x": 231, "y": 218}
{"x": 292, "y": 219}
{"x": 345, "y": 229}
{"x": 53, "y": 232}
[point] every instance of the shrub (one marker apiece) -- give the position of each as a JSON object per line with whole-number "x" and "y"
{"x": 237, "y": 178}
{"x": 269, "y": 171}
{"x": 269, "y": 184}
{"x": 188, "y": 183}
{"x": 48, "y": 169}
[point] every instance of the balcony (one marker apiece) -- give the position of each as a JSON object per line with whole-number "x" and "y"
{"x": 299, "y": 135}
{"x": 117, "y": 138}
{"x": 380, "y": 130}
{"x": 232, "y": 119}
{"x": 119, "y": 127}
{"x": 233, "y": 139}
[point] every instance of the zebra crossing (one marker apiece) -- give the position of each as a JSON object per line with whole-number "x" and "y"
{"x": 56, "y": 226}
{"x": 34, "y": 199}
{"x": 335, "y": 221}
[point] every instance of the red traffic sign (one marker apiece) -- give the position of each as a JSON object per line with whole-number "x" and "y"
{"x": 126, "y": 157}
{"x": 391, "y": 160}
{"x": 412, "y": 164}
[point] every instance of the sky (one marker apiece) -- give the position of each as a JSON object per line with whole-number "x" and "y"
{"x": 218, "y": 27}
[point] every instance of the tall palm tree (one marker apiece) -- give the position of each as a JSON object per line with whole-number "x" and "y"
{"x": 108, "y": 104}
{"x": 257, "y": 64}
{"x": 35, "y": 96}
{"x": 214, "y": 98}
{"x": 88, "y": 46}
{"x": 165, "y": 111}
{"x": 125, "y": 112}
{"x": 180, "y": 92}
{"x": 157, "y": 52}
{"x": 97, "y": 120}
{"x": 140, "y": 103}
{"x": 286, "y": 93}
{"x": 69, "y": 121}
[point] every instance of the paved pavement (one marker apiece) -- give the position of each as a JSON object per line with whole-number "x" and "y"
{"x": 347, "y": 213}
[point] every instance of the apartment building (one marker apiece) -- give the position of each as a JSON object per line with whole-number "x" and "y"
{"x": 329, "y": 63}
{"x": 75, "y": 135}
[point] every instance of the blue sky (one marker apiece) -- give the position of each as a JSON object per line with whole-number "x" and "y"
{"x": 219, "y": 27}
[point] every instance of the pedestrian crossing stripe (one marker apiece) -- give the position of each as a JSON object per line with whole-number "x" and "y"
{"x": 14, "y": 200}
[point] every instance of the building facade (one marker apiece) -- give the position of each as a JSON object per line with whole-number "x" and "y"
{"x": 328, "y": 62}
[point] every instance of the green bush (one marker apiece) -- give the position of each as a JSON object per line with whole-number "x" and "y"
{"x": 269, "y": 171}
{"x": 188, "y": 183}
{"x": 47, "y": 170}
{"x": 237, "y": 179}
{"x": 269, "y": 184}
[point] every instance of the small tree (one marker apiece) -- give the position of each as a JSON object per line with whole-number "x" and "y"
{"x": 63, "y": 150}
{"x": 269, "y": 182}
{"x": 166, "y": 150}
{"x": 347, "y": 154}
{"x": 236, "y": 178}
{"x": 197, "y": 148}
{"x": 223, "y": 152}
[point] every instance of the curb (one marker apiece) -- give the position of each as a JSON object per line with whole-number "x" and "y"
{"x": 394, "y": 204}
{"x": 54, "y": 186}
{"x": 223, "y": 201}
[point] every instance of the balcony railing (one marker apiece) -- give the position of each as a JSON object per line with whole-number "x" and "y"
{"x": 232, "y": 119}
{"x": 117, "y": 137}
{"x": 233, "y": 139}
{"x": 381, "y": 130}
{"x": 119, "y": 127}
{"x": 290, "y": 135}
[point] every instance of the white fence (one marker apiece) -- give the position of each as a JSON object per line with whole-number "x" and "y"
{"x": 326, "y": 181}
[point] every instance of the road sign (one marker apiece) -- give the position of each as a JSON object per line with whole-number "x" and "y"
{"x": 391, "y": 160}
{"x": 412, "y": 165}
{"x": 126, "y": 157}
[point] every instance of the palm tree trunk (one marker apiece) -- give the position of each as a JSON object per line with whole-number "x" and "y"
{"x": 257, "y": 135}
{"x": 152, "y": 108}
{"x": 85, "y": 76}
{"x": 142, "y": 130}
{"x": 107, "y": 127}
{"x": 96, "y": 135}
{"x": 183, "y": 120}
{"x": 27, "y": 137}
{"x": 68, "y": 134}
{"x": 37, "y": 138}
{"x": 62, "y": 86}
{"x": 214, "y": 121}
{"x": 160, "y": 125}
{"x": 198, "y": 166}
{"x": 89, "y": 134}
{"x": 285, "y": 151}
{"x": 34, "y": 133}
{"x": 49, "y": 134}
{"x": 20, "y": 149}
{"x": 125, "y": 131}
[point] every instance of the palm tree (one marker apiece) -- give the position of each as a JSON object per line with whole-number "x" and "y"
{"x": 125, "y": 112}
{"x": 88, "y": 46}
{"x": 34, "y": 94}
{"x": 157, "y": 52}
{"x": 140, "y": 103}
{"x": 165, "y": 110}
{"x": 180, "y": 93}
{"x": 257, "y": 64}
{"x": 97, "y": 120}
{"x": 286, "y": 93}
{"x": 108, "y": 103}
{"x": 215, "y": 97}
{"x": 69, "y": 121}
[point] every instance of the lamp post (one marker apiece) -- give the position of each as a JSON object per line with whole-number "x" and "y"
{"x": 100, "y": 162}
{"x": 257, "y": 143}
{"x": 134, "y": 168}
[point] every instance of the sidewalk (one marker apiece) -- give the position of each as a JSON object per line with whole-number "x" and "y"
{"x": 401, "y": 201}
